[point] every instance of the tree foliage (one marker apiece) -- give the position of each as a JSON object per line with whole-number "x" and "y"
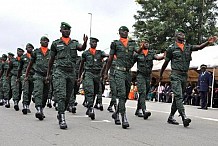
{"x": 158, "y": 20}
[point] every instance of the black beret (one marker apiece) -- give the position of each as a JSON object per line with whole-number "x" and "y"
{"x": 29, "y": 45}
{"x": 11, "y": 54}
{"x": 66, "y": 25}
{"x": 43, "y": 38}
{"x": 123, "y": 28}
{"x": 180, "y": 30}
{"x": 4, "y": 56}
{"x": 19, "y": 49}
{"x": 92, "y": 38}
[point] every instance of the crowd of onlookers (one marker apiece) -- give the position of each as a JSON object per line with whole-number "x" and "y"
{"x": 163, "y": 93}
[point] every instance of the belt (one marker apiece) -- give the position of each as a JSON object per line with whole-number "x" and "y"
{"x": 121, "y": 68}
{"x": 94, "y": 71}
{"x": 179, "y": 72}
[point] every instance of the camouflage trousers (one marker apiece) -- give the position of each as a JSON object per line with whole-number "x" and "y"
{"x": 63, "y": 88}
{"x": 41, "y": 89}
{"x": 16, "y": 88}
{"x": 7, "y": 93}
{"x": 143, "y": 84}
{"x": 28, "y": 87}
{"x": 91, "y": 85}
{"x": 113, "y": 88}
{"x": 178, "y": 83}
{"x": 123, "y": 83}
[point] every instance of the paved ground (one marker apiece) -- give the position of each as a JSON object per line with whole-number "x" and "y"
{"x": 17, "y": 129}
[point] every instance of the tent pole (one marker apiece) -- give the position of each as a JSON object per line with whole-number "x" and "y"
{"x": 211, "y": 103}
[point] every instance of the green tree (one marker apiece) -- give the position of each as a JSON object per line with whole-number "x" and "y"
{"x": 158, "y": 20}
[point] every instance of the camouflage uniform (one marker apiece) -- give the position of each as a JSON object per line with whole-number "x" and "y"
{"x": 144, "y": 70}
{"x": 41, "y": 89}
{"x": 122, "y": 75}
{"x": 28, "y": 85}
{"x": 64, "y": 74}
{"x": 92, "y": 69}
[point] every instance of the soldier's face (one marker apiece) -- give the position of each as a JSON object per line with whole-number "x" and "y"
{"x": 203, "y": 69}
{"x": 29, "y": 49}
{"x": 180, "y": 36}
{"x": 146, "y": 44}
{"x": 20, "y": 53}
{"x": 93, "y": 44}
{"x": 44, "y": 43}
{"x": 123, "y": 33}
{"x": 65, "y": 32}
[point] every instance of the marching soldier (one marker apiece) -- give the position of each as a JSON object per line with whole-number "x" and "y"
{"x": 64, "y": 53}
{"x": 39, "y": 58}
{"x": 123, "y": 49}
{"x": 179, "y": 54}
{"x": 144, "y": 68}
{"x": 16, "y": 86}
{"x": 28, "y": 84}
{"x": 92, "y": 64}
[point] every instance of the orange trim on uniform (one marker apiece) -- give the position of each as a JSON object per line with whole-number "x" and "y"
{"x": 124, "y": 41}
{"x": 180, "y": 45}
{"x": 65, "y": 40}
{"x": 28, "y": 55}
{"x": 92, "y": 50}
{"x": 44, "y": 50}
{"x": 145, "y": 52}
{"x": 18, "y": 58}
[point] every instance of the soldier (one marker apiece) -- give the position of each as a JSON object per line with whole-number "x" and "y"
{"x": 26, "y": 85}
{"x": 16, "y": 86}
{"x": 39, "y": 58}
{"x": 7, "y": 80}
{"x": 64, "y": 53}
{"x": 124, "y": 50}
{"x": 72, "y": 108}
{"x": 179, "y": 54}
{"x": 204, "y": 85}
{"x": 92, "y": 64}
{"x": 144, "y": 68}
{"x": 2, "y": 60}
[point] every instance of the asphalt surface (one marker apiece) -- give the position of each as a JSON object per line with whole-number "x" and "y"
{"x": 17, "y": 129}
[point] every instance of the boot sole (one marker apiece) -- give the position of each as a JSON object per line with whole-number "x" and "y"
{"x": 146, "y": 115}
{"x": 101, "y": 108}
{"x": 16, "y": 107}
{"x": 125, "y": 126}
{"x": 92, "y": 116}
{"x": 186, "y": 122}
{"x": 117, "y": 122}
{"x": 74, "y": 110}
{"x": 24, "y": 111}
{"x": 63, "y": 127}
{"x": 173, "y": 123}
{"x": 7, "y": 106}
{"x": 39, "y": 116}
{"x": 1, "y": 103}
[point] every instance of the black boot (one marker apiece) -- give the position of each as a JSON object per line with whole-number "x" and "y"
{"x": 125, "y": 123}
{"x": 96, "y": 106}
{"x": 186, "y": 121}
{"x": 140, "y": 114}
{"x": 16, "y": 106}
{"x": 7, "y": 104}
{"x": 171, "y": 120}
{"x": 28, "y": 109}
{"x": 116, "y": 118}
{"x": 115, "y": 107}
{"x": 24, "y": 110}
{"x": 101, "y": 107}
{"x": 70, "y": 109}
{"x": 75, "y": 103}
{"x": 84, "y": 103}
{"x": 33, "y": 99}
{"x": 110, "y": 109}
{"x": 1, "y": 102}
{"x": 146, "y": 114}
{"x": 73, "y": 109}
{"x": 91, "y": 113}
{"x": 49, "y": 103}
{"x": 62, "y": 121}
{"x": 39, "y": 113}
